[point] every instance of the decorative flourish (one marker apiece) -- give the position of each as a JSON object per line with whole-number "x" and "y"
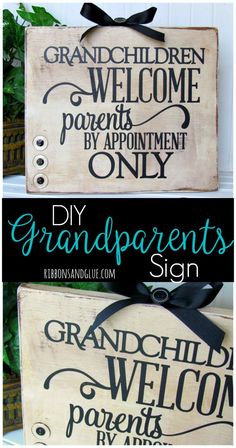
{"x": 75, "y": 97}
{"x": 198, "y": 427}
{"x": 89, "y": 395}
{"x": 185, "y": 124}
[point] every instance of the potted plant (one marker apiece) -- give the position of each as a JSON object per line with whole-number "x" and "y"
{"x": 12, "y": 418}
{"x": 13, "y": 81}
{"x": 12, "y": 415}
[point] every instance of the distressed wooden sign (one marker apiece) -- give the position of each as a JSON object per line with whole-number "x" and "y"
{"x": 121, "y": 112}
{"x": 142, "y": 378}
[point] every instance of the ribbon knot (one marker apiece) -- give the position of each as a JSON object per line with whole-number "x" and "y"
{"x": 136, "y": 21}
{"x": 183, "y": 302}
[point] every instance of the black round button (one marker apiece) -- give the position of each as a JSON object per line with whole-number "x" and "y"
{"x": 40, "y": 142}
{"x": 40, "y": 431}
{"x": 40, "y": 161}
{"x": 40, "y": 180}
{"x": 120, "y": 20}
{"x": 160, "y": 295}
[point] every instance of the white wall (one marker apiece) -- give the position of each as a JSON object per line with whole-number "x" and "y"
{"x": 218, "y": 15}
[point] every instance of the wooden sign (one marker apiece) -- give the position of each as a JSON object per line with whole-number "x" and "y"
{"x": 121, "y": 112}
{"x": 142, "y": 378}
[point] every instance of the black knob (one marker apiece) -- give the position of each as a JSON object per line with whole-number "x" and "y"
{"x": 160, "y": 295}
{"x": 40, "y": 161}
{"x": 40, "y": 142}
{"x": 40, "y": 180}
{"x": 40, "y": 431}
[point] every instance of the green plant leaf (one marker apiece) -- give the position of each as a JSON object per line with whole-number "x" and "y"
{"x": 9, "y": 298}
{"x": 22, "y": 7}
{"x": 89, "y": 286}
{"x": 13, "y": 54}
{"x": 13, "y": 322}
{"x": 14, "y": 354}
{"x": 6, "y": 359}
{"x": 39, "y": 16}
{"x": 8, "y": 89}
{"x": 44, "y": 14}
{"x": 7, "y": 335}
{"x": 14, "y": 84}
{"x": 8, "y": 17}
{"x": 21, "y": 54}
{"x": 19, "y": 95}
{"x": 4, "y": 99}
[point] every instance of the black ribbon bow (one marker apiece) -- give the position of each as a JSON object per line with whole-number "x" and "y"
{"x": 136, "y": 21}
{"x": 183, "y": 302}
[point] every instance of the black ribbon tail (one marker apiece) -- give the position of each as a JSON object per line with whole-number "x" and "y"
{"x": 203, "y": 327}
{"x": 145, "y": 16}
{"x": 157, "y": 35}
{"x": 109, "y": 311}
{"x": 195, "y": 294}
{"x": 113, "y": 308}
{"x": 87, "y": 32}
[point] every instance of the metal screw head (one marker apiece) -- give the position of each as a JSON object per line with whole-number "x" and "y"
{"x": 120, "y": 20}
{"x": 40, "y": 431}
{"x": 40, "y": 180}
{"x": 39, "y": 142}
{"x": 40, "y": 161}
{"x": 160, "y": 295}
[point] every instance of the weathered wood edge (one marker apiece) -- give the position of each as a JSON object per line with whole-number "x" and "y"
{"x": 70, "y": 293}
